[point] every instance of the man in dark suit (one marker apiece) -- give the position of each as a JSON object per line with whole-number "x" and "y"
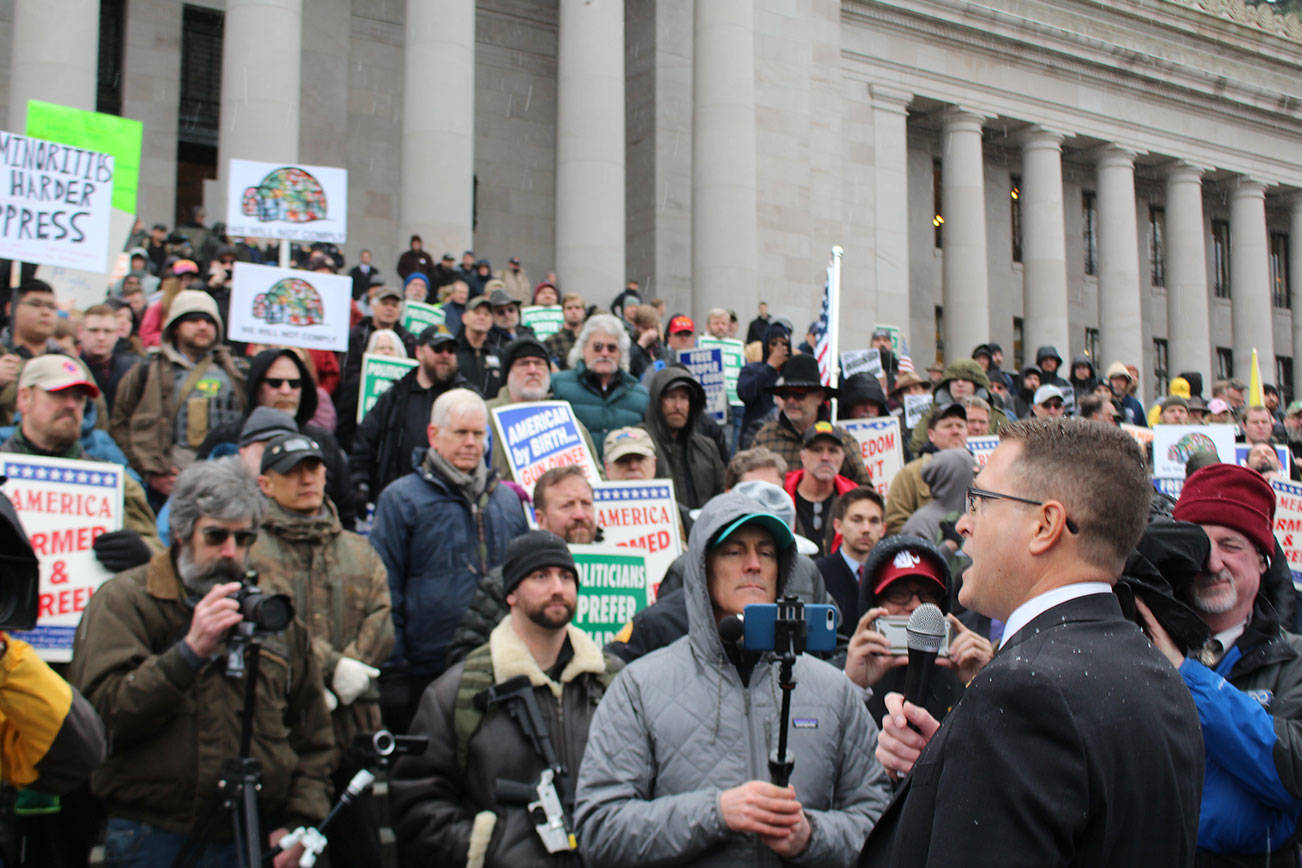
{"x": 1077, "y": 744}
{"x": 857, "y": 521}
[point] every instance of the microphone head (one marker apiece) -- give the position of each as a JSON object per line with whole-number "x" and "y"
{"x": 926, "y": 628}
{"x": 731, "y": 629}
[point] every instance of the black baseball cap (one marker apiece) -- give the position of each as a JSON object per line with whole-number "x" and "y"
{"x": 287, "y": 451}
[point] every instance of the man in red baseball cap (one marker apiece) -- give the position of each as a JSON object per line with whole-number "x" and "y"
{"x": 681, "y": 333}
{"x": 1247, "y": 681}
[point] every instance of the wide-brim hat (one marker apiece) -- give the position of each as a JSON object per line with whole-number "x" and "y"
{"x": 801, "y": 372}
{"x": 906, "y": 379}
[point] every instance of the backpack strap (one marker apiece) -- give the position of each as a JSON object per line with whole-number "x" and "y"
{"x": 476, "y": 676}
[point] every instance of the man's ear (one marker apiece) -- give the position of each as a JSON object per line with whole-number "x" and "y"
{"x": 264, "y": 485}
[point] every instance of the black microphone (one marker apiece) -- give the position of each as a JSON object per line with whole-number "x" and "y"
{"x": 732, "y": 629}
{"x": 926, "y": 631}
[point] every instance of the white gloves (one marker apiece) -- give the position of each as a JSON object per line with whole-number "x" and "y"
{"x": 351, "y": 679}
{"x": 331, "y": 702}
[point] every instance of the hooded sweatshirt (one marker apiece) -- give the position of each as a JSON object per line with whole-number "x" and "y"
{"x": 949, "y": 475}
{"x": 1083, "y": 387}
{"x": 679, "y": 726}
{"x": 686, "y": 456}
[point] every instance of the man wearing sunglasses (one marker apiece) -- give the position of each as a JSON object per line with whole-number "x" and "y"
{"x": 1049, "y": 402}
{"x": 151, "y": 656}
{"x": 1078, "y": 743}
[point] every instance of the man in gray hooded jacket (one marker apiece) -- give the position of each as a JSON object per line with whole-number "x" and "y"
{"x": 677, "y": 751}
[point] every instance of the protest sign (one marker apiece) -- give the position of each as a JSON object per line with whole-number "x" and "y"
{"x": 417, "y": 316}
{"x": 1282, "y": 454}
{"x": 378, "y": 374}
{"x": 545, "y": 320}
{"x": 63, "y": 505}
{"x": 1169, "y": 487}
{"x": 861, "y": 362}
{"x": 897, "y": 337}
{"x": 80, "y": 289}
{"x": 1143, "y": 436}
{"x": 734, "y": 359}
{"x": 641, "y": 515}
{"x": 1288, "y": 525}
{"x": 94, "y": 131}
{"x": 981, "y": 447}
{"x": 55, "y": 203}
{"x": 706, "y": 365}
{"x": 296, "y": 203}
{"x": 540, "y": 435}
{"x": 285, "y": 306}
{"x": 915, "y": 407}
{"x": 1173, "y": 444}
{"x": 880, "y": 446}
{"x": 613, "y": 587}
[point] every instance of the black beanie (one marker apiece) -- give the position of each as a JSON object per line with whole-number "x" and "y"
{"x": 534, "y": 550}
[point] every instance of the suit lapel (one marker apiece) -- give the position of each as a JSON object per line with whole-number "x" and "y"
{"x": 1092, "y": 607}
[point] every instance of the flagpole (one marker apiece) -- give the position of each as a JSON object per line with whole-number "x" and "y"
{"x": 834, "y": 324}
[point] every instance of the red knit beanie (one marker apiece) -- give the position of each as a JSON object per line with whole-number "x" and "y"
{"x": 1233, "y": 497}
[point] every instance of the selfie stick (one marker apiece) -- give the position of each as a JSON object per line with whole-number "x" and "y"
{"x": 789, "y": 631}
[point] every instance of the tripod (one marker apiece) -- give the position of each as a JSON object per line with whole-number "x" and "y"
{"x": 789, "y": 632}
{"x": 241, "y": 777}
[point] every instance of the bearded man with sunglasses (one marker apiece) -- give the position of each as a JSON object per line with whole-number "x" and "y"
{"x": 151, "y": 655}
{"x": 1077, "y": 744}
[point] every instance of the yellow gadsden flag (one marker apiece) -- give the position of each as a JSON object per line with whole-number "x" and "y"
{"x": 1256, "y": 397}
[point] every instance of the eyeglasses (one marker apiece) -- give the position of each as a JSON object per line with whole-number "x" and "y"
{"x": 1052, "y": 404}
{"x": 41, "y": 304}
{"x": 794, "y": 394}
{"x": 604, "y": 348}
{"x": 217, "y": 536}
{"x": 974, "y": 495}
{"x": 445, "y": 347}
{"x": 278, "y": 382}
{"x": 900, "y": 593}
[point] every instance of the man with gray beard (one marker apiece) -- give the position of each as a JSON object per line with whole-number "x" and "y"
{"x": 151, "y": 654}
{"x": 528, "y": 379}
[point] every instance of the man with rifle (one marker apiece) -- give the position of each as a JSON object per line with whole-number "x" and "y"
{"x": 507, "y": 728}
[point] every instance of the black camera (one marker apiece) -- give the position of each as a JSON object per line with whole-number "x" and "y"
{"x": 20, "y": 591}
{"x": 266, "y": 613}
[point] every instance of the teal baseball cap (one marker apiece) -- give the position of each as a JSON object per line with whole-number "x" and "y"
{"x": 776, "y": 527}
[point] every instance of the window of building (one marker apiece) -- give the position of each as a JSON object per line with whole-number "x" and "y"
{"x": 112, "y": 32}
{"x": 200, "y": 107}
{"x": 1019, "y": 343}
{"x": 1224, "y": 363}
{"x": 1221, "y": 258}
{"x": 937, "y": 221}
{"x": 1015, "y": 214}
{"x": 940, "y": 335}
{"x": 1090, "y": 218}
{"x": 1280, "y": 284}
{"x": 1092, "y": 346}
{"x": 1284, "y": 378}
{"x": 1161, "y": 365}
{"x": 1157, "y": 245}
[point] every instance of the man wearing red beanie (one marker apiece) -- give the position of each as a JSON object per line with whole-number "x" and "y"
{"x": 1247, "y": 683}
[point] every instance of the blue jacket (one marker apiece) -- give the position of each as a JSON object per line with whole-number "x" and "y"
{"x": 429, "y": 537}
{"x": 753, "y": 384}
{"x": 1134, "y": 411}
{"x": 623, "y": 406}
{"x": 1250, "y": 708}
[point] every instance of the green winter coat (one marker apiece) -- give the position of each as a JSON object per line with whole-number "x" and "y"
{"x": 622, "y": 406}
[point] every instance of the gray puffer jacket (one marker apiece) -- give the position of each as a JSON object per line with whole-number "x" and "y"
{"x": 678, "y": 727}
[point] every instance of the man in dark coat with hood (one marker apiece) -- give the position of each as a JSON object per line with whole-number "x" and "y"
{"x": 279, "y": 379}
{"x": 1084, "y": 378}
{"x": 683, "y": 454}
{"x": 1048, "y": 361}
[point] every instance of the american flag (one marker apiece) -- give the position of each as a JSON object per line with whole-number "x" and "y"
{"x": 906, "y": 363}
{"x": 823, "y": 336}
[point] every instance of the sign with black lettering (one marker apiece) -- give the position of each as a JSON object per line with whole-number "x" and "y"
{"x": 612, "y": 589}
{"x": 55, "y": 203}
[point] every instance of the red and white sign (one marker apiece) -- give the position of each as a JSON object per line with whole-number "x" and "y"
{"x": 880, "y": 446}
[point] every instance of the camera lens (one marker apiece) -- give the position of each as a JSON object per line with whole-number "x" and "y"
{"x": 383, "y": 742}
{"x": 270, "y": 612}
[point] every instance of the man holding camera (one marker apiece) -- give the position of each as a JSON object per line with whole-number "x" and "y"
{"x": 151, "y": 656}
{"x": 669, "y": 772}
{"x": 341, "y": 593}
{"x": 446, "y": 805}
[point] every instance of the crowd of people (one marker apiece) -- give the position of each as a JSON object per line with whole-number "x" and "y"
{"x": 1119, "y": 681}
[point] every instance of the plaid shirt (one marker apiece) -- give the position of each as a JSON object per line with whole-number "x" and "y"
{"x": 559, "y": 345}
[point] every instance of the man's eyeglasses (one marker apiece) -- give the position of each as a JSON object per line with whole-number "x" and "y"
{"x": 39, "y": 303}
{"x": 598, "y": 347}
{"x": 217, "y": 536}
{"x": 899, "y": 593}
{"x": 445, "y": 347}
{"x": 975, "y": 495}
{"x": 1052, "y": 404}
{"x": 278, "y": 382}
{"x": 794, "y": 394}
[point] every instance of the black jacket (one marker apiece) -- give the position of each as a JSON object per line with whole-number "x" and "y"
{"x": 481, "y": 368}
{"x": 109, "y": 372}
{"x": 1078, "y": 744}
{"x": 359, "y": 334}
{"x": 392, "y": 430}
{"x": 688, "y": 457}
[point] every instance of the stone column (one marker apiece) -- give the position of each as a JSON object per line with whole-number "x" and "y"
{"x": 1046, "y": 309}
{"x": 151, "y": 93}
{"x": 590, "y": 228}
{"x": 962, "y": 202}
{"x": 1120, "y": 307}
{"x": 438, "y": 126}
{"x": 261, "y": 53}
{"x": 891, "y": 207}
{"x": 1250, "y": 280}
{"x": 1188, "y": 317}
{"x": 724, "y": 228}
{"x": 54, "y": 56}
{"x": 1295, "y": 280}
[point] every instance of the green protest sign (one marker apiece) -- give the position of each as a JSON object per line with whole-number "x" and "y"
{"x": 545, "y": 320}
{"x": 378, "y": 374}
{"x": 94, "y": 131}
{"x": 417, "y": 316}
{"x": 894, "y": 332}
{"x": 734, "y": 359}
{"x": 612, "y": 589}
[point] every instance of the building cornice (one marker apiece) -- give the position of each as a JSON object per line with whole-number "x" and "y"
{"x": 1254, "y": 16}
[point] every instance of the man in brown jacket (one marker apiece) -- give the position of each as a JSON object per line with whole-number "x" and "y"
{"x": 152, "y": 655}
{"x": 167, "y": 404}
{"x": 341, "y": 592}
